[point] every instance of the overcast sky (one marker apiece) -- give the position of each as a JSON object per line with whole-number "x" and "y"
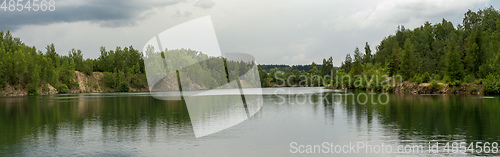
{"x": 273, "y": 31}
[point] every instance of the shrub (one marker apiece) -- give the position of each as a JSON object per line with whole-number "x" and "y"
{"x": 67, "y": 78}
{"x": 469, "y": 79}
{"x": 474, "y": 90}
{"x": 3, "y": 79}
{"x": 478, "y": 81}
{"x": 3, "y": 83}
{"x": 426, "y": 78}
{"x": 358, "y": 83}
{"x": 139, "y": 81}
{"x": 123, "y": 87}
{"x": 436, "y": 77}
{"x": 388, "y": 88}
{"x": 63, "y": 89}
{"x": 446, "y": 79}
{"x": 87, "y": 67}
{"x": 434, "y": 86}
{"x": 95, "y": 85}
{"x": 416, "y": 79}
{"x": 455, "y": 83}
{"x": 453, "y": 90}
{"x": 32, "y": 89}
{"x": 263, "y": 83}
{"x": 45, "y": 89}
{"x": 492, "y": 84}
{"x": 109, "y": 80}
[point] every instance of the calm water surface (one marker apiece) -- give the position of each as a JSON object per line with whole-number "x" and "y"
{"x": 136, "y": 124}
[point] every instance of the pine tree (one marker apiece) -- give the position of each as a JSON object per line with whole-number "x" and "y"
{"x": 358, "y": 62}
{"x": 368, "y": 54}
{"x": 347, "y": 64}
{"x": 407, "y": 60}
{"x": 314, "y": 69}
{"x": 454, "y": 68}
{"x": 394, "y": 60}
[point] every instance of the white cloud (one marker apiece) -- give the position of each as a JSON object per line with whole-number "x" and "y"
{"x": 408, "y": 12}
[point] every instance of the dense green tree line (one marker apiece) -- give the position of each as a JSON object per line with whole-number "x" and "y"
{"x": 297, "y": 75}
{"x": 196, "y": 70}
{"x": 467, "y": 53}
{"x": 282, "y": 67}
{"x": 25, "y": 67}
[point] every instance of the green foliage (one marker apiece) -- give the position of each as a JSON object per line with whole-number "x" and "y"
{"x": 469, "y": 78}
{"x": 347, "y": 64}
{"x": 358, "y": 62}
{"x": 492, "y": 85}
{"x": 138, "y": 81}
{"x": 28, "y": 68}
{"x": 67, "y": 73}
{"x": 436, "y": 77}
{"x": 389, "y": 88}
{"x": 314, "y": 69}
{"x": 407, "y": 60}
{"x": 454, "y": 63}
{"x": 109, "y": 80}
{"x": 454, "y": 83}
{"x": 446, "y": 79}
{"x": 32, "y": 89}
{"x": 416, "y": 79}
{"x": 453, "y": 89}
{"x": 327, "y": 67}
{"x": 434, "y": 86}
{"x": 264, "y": 81}
{"x": 88, "y": 67}
{"x": 468, "y": 52}
{"x": 426, "y": 78}
{"x": 45, "y": 89}
{"x": 3, "y": 78}
{"x": 95, "y": 85}
{"x": 367, "y": 58}
{"x": 120, "y": 60}
{"x": 77, "y": 58}
{"x": 395, "y": 58}
{"x": 63, "y": 89}
{"x": 123, "y": 87}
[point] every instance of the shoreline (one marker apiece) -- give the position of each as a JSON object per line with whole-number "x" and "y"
{"x": 86, "y": 84}
{"x": 407, "y": 87}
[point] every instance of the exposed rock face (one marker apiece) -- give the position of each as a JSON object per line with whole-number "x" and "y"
{"x": 86, "y": 83}
{"x": 425, "y": 88}
{"x": 13, "y": 91}
{"x": 93, "y": 84}
{"x": 52, "y": 90}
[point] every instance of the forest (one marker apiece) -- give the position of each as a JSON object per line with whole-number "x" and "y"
{"x": 468, "y": 53}
{"x": 282, "y": 67}
{"x": 27, "y": 68}
{"x": 465, "y": 54}
{"x": 194, "y": 70}
{"x": 300, "y": 75}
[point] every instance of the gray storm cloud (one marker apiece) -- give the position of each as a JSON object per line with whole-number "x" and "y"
{"x": 108, "y": 13}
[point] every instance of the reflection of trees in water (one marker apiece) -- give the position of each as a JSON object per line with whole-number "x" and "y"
{"x": 122, "y": 116}
{"x": 432, "y": 117}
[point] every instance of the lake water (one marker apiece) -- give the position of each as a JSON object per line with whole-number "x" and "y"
{"x": 288, "y": 124}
